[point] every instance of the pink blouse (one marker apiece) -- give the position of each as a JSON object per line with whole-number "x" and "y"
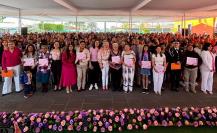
{"x": 11, "y": 59}
{"x": 93, "y": 54}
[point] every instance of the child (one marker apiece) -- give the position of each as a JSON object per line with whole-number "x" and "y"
{"x": 145, "y": 70}
{"x": 26, "y": 80}
{"x": 43, "y": 71}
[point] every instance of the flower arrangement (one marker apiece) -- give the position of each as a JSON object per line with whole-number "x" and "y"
{"x": 111, "y": 120}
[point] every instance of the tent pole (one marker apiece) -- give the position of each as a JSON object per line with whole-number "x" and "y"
{"x": 214, "y": 21}
{"x": 19, "y": 22}
{"x": 184, "y": 25}
{"x": 105, "y": 26}
{"x": 76, "y": 23}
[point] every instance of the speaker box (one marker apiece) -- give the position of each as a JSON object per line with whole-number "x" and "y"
{"x": 185, "y": 31}
{"x": 24, "y": 31}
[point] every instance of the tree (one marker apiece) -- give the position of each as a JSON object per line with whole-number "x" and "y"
{"x": 125, "y": 26}
{"x": 51, "y": 27}
{"x": 2, "y": 18}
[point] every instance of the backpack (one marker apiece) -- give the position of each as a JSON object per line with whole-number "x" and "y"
{"x": 23, "y": 78}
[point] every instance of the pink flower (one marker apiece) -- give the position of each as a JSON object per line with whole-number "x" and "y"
{"x": 152, "y": 111}
{"x": 97, "y": 117}
{"x": 49, "y": 126}
{"x": 80, "y": 123}
{"x": 166, "y": 109}
{"x": 145, "y": 127}
{"x": 129, "y": 127}
{"x": 32, "y": 118}
{"x": 68, "y": 117}
{"x": 85, "y": 129}
{"x": 170, "y": 123}
{"x": 136, "y": 127}
{"x": 102, "y": 130}
{"x": 134, "y": 120}
{"x": 117, "y": 119}
{"x": 196, "y": 124}
{"x": 95, "y": 129}
{"x": 63, "y": 123}
{"x": 70, "y": 128}
{"x": 200, "y": 123}
{"x": 125, "y": 110}
{"x": 111, "y": 113}
{"x": 177, "y": 115}
{"x": 100, "y": 123}
{"x": 38, "y": 120}
{"x": 110, "y": 128}
{"x": 155, "y": 123}
{"x": 47, "y": 115}
{"x": 120, "y": 129}
{"x": 139, "y": 118}
{"x": 79, "y": 116}
{"x": 25, "y": 129}
{"x": 19, "y": 119}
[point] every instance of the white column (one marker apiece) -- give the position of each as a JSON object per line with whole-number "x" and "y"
{"x": 19, "y": 22}
{"x": 130, "y": 23}
{"x": 105, "y": 26}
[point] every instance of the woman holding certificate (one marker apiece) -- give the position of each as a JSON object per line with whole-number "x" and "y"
{"x": 43, "y": 71}
{"x": 207, "y": 68}
{"x": 145, "y": 63}
{"x": 29, "y": 60}
{"x": 103, "y": 59}
{"x": 128, "y": 58}
{"x": 11, "y": 60}
{"x": 68, "y": 75}
{"x": 159, "y": 67}
{"x": 115, "y": 67}
{"x": 56, "y": 65}
{"x": 94, "y": 72}
{"x": 82, "y": 59}
{"x": 191, "y": 62}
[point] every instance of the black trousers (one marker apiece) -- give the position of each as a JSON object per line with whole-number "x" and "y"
{"x": 116, "y": 79}
{"x": 56, "y": 71}
{"x": 94, "y": 74}
{"x": 33, "y": 71}
{"x": 175, "y": 78}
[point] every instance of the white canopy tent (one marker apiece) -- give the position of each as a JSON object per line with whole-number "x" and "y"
{"x": 109, "y": 10}
{"x": 160, "y": 8}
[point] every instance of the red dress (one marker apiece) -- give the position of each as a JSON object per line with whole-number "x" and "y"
{"x": 68, "y": 76}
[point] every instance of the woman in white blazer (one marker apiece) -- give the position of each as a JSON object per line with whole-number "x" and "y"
{"x": 207, "y": 68}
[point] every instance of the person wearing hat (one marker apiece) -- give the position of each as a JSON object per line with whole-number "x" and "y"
{"x": 191, "y": 68}
{"x": 207, "y": 68}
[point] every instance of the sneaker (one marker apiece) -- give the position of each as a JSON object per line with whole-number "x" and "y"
{"x": 91, "y": 87}
{"x": 187, "y": 90}
{"x": 67, "y": 91}
{"x": 204, "y": 92}
{"x": 25, "y": 97}
{"x": 194, "y": 91}
{"x": 70, "y": 90}
{"x": 210, "y": 92}
{"x": 96, "y": 87}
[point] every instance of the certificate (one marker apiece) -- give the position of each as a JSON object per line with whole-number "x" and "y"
{"x": 160, "y": 68}
{"x": 29, "y": 62}
{"x": 43, "y": 62}
{"x": 128, "y": 61}
{"x": 192, "y": 61}
{"x": 116, "y": 59}
{"x": 146, "y": 64}
{"x": 81, "y": 56}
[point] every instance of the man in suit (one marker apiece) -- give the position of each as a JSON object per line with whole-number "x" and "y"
{"x": 175, "y": 54}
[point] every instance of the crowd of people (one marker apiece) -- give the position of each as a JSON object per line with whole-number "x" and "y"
{"x": 116, "y": 61}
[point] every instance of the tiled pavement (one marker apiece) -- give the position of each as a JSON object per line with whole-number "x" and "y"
{"x": 60, "y": 101}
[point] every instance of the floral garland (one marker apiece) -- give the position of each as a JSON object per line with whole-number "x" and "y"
{"x": 111, "y": 120}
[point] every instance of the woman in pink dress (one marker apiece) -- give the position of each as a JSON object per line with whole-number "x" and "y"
{"x": 68, "y": 77}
